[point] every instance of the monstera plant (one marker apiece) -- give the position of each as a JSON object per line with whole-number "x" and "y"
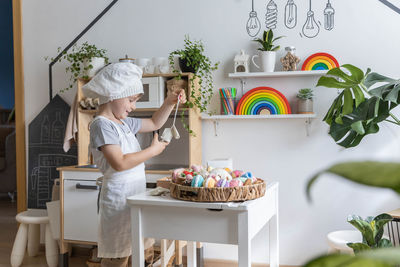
{"x": 359, "y": 108}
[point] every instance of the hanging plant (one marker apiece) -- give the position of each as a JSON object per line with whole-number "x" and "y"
{"x": 80, "y": 59}
{"x": 358, "y": 109}
{"x": 192, "y": 59}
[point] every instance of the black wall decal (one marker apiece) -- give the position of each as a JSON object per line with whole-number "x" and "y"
{"x": 391, "y": 5}
{"x": 46, "y": 138}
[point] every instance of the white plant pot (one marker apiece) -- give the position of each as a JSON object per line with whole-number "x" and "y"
{"x": 267, "y": 61}
{"x": 96, "y": 62}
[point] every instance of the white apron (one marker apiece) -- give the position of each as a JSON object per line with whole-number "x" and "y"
{"x": 114, "y": 238}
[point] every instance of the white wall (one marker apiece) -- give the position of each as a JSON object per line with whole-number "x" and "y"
{"x": 277, "y": 150}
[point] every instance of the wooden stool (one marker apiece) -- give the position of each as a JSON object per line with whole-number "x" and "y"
{"x": 29, "y": 232}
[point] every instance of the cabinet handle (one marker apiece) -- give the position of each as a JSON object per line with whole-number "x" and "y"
{"x": 91, "y": 187}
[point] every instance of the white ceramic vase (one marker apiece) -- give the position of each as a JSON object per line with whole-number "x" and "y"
{"x": 267, "y": 61}
{"x": 96, "y": 62}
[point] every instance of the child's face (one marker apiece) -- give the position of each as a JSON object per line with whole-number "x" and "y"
{"x": 121, "y": 107}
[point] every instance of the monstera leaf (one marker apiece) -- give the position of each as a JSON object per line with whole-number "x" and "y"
{"x": 372, "y": 173}
{"x": 356, "y": 111}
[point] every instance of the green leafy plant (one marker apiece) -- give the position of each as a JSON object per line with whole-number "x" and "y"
{"x": 267, "y": 41}
{"x": 77, "y": 57}
{"x": 372, "y": 232}
{"x": 359, "y": 108}
{"x": 371, "y": 173}
{"x": 305, "y": 93}
{"x": 192, "y": 55}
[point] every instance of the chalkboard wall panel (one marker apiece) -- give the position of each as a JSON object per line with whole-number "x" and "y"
{"x": 46, "y": 137}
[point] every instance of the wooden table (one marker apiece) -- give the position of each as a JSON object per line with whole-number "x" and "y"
{"x": 163, "y": 217}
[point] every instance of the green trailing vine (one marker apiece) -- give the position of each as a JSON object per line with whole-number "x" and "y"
{"x": 76, "y": 57}
{"x": 193, "y": 56}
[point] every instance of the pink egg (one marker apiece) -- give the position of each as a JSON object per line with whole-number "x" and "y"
{"x": 235, "y": 182}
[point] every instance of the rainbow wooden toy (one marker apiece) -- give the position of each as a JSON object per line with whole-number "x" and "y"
{"x": 320, "y": 61}
{"x": 263, "y": 100}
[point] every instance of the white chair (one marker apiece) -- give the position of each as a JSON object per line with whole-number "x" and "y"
{"x": 29, "y": 233}
{"x": 337, "y": 240}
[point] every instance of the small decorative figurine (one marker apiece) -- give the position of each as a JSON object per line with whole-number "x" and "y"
{"x": 242, "y": 62}
{"x": 290, "y": 61}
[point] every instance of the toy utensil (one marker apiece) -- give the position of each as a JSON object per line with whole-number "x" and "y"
{"x": 171, "y": 132}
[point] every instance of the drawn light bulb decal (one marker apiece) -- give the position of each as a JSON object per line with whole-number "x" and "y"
{"x": 311, "y": 27}
{"x": 253, "y": 25}
{"x": 290, "y": 14}
{"x": 329, "y": 15}
{"x": 271, "y": 16}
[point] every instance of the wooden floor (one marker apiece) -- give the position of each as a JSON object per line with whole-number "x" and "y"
{"x": 8, "y": 230}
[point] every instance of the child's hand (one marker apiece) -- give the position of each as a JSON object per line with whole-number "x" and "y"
{"x": 158, "y": 146}
{"x": 172, "y": 97}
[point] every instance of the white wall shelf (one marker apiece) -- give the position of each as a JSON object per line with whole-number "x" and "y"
{"x": 239, "y": 117}
{"x": 277, "y": 74}
{"x": 217, "y": 118}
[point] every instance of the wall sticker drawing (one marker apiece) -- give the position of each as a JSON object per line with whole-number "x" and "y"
{"x": 390, "y": 4}
{"x": 329, "y": 16}
{"x": 290, "y": 14}
{"x": 311, "y": 27}
{"x": 253, "y": 25}
{"x": 271, "y": 17}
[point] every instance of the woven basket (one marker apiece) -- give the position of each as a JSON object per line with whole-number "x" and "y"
{"x": 218, "y": 194}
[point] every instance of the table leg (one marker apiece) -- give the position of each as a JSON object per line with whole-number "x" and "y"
{"x": 200, "y": 254}
{"x": 244, "y": 241}
{"x": 137, "y": 238}
{"x": 274, "y": 237}
{"x": 191, "y": 254}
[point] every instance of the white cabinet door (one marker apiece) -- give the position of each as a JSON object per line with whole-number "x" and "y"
{"x": 80, "y": 210}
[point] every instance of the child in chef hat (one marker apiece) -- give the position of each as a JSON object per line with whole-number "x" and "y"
{"x": 118, "y": 155}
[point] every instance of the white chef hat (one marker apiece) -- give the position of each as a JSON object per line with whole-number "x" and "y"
{"x": 115, "y": 81}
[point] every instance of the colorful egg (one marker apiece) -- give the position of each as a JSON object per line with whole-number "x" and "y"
{"x": 196, "y": 168}
{"x": 223, "y": 174}
{"x": 197, "y": 181}
{"x": 223, "y": 183}
{"x": 210, "y": 182}
{"x": 248, "y": 182}
{"x": 237, "y": 173}
{"x": 247, "y": 175}
{"x": 235, "y": 183}
{"x": 243, "y": 179}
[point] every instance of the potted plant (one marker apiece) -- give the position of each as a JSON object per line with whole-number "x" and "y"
{"x": 192, "y": 59}
{"x": 371, "y": 230}
{"x": 268, "y": 51}
{"x": 305, "y": 101}
{"x": 359, "y": 108}
{"x": 85, "y": 61}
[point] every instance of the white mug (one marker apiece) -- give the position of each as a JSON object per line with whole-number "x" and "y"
{"x": 267, "y": 61}
{"x": 142, "y": 62}
{"x": 157, "y": 61}
{"x": 164, "y": 68}
{"x": 149, "y": 69}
